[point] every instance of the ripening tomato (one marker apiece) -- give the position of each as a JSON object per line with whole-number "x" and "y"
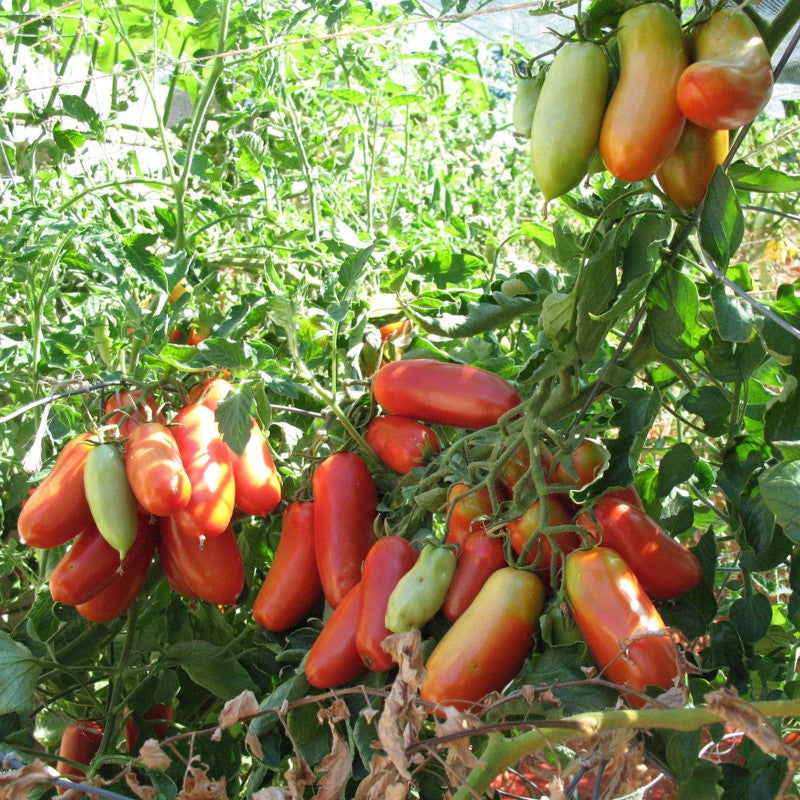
{"x": 119, "y": 595}
{"x": 569, "y": 109}
{"x": 586, "y": 462}
{"x": 444, "y": 393}
{"x": 480, "y": 556}
{"x": 611, "y": 607}
{"x": 643, "y": 123}
{"x": 292, "y": 585}
{"x": 731, "y": 79}
{"x": 389, "y": 559}
{"x": 664, "y": 567}
{"x": 395, "y": 330}
{"x": 514, "y": 468}
{"x": 57, "y": 510}
{"x": 91, "y": 564}
{"x": 401, "y": 442}
{"x": 527, "y": 525}
{"x": 158, "y": 717}
{"x": 333, "y": 658}
{"x": 257, "y": 482}
{"x": 213, "y": 572}
{"x": 488, "y": 644}
{"x": 210, "y": 392}
{"x": 128, "y": 409}
{"x": 345, "y": 507}
{"x": 467, "y": 514}
{"x": 79, "y": 743}
{"x": 685, "y": 175}
{"x": 155, "y": 470}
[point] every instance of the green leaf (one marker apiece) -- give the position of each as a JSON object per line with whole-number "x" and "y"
{"x": 721, "y": 221}
{"x": 492, "y": 312}
{"x": 350, "y": 96}
{"x": 683, "y": 749}
{"x": 672, "y": 308}
{"x": 68, "y": 140}
{"x": 676, "y": 466}
{"x": 542, "y": 236}
{"x": 703, "y": 783}
{"x": 780, "y": 486}
{"x": 235, "y": 419}
{"x": 734, "y": 316}
{"x": 752, "y": 178}
{"x": 594, "y": 290}
{"x": 20, "y": 676}
{"x": 77, "y": 108}
{"x": 752, "y": 616}
{"x": 711, "y": 405}
{"x": 211, "y": 667}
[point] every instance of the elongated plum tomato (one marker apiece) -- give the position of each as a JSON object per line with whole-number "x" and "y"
{"x": 257, "y": 482}
{"x": 128, "y": 409}
{"x": 643, "y": 123}
{"x": 292, "y": 585}
{"x": 730, "y": 81}
{"x": 91, "y": 564}
{"x": 444, "y": 393}
{"x": 211, "y": 392}
{"x": 480, "y": 557}
{"x": 488, "y": 644}
{"x": 118, "y": 596}
{"x": 685, "y": 175}
{"x": 467, "y": 511}
{"x": 527, "y": 525}
{"x": 80, "y": 743}
{"x": 400, "y": 442}
{"x": 569, "y": 109}
{"x": 389, "y": 559}
{"x": 345, "y": 507}
{"x": 213, "y": 572}
{"x": 664, "y": 567}
{"x": 333, "y": 658}
{"x": 110, "y": 497}
{"x": 57, "y": 511}
{"x": 584, "y": 464}
{"x": 611, "y": 607}
{"x": 525, "y": 99}
{"x": 158, "y": 716}
{"x": 155, "y": 470}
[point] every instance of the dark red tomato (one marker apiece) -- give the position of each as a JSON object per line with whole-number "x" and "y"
{"x": 155, "y": 470}
{"x": 400, "y": 442}
{"x": 610, "y": 607}
{"x": 480, "y": 556}
{"x": 663, "y": 566}
{"x": 57, "y": 510}
{"x": 522, "y": 528}
{"x": 157, "y": 718}
{"x": 730, "y": 81}
{"x": 91, "y": 564}
{"x": 466, "y": 514}
{"x": 197, "y": 334}
{"x": 627, "y": 495}
{"x": 448, "y": 394}
{"x": 292, "y": 585}
{"x": 333, "y": 658}
{"x": 389, "y": 559}
{"x": 118, "y": 596}
{"x": 80, "y": 743}
{"x": 213, "y": 572}
{"x": 257, "y": 482}
{"x": 129, "y": 408}
{"x": 488, "y": 644}
{"x": 345, "y": 503}
{"x": 643, "y": 123}
{"x": 584, "y": 465}
{"x": 211, "y": 392}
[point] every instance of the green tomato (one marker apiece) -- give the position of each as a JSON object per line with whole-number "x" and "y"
{"x": 421, "y": 591}
{"x": 110, "y": 497}
{"x": 568, "y": 117}
{"x": 525, "y": 99}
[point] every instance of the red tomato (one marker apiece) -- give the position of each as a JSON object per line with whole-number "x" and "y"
{"x": 159, "y": 716}
{"x": 213, "y": 572}
{"x": 480, "y": 556}
{"x": 628, "y": 495}
{"x": 292, "y": 585}
{"x": 91, "y": 564}
{"x": 257, "y": 482}
{"x": 211, "y": 392}
{"x": 197, "y": 334}
{"x": 522, "y": 528}
{"x": 345, "y": 503}
{"x": 80, "y": 743}
{"x": 389, "y": 559}
{"x": 333, "y": 658}
{"x": 685, "y": 175}
{"x": 514, "y": 468}
{"x": 118, "y": 596}
{"x": 585, "y": 464}
{"x": 663, "y": 566}
{"x": 448, "y": 394}
{"x": 401, "y": 441}
{"x": 610, "y": 607}
{"x": 155, "y": 470}
{"x": 130, "y": 409}
{"x": 395, "y": 329}
{"x": 643, "y": 123}
{"x": 464, "y": 516}
{"x": 57, "y": 510}
{"x": 488, "y": 644}
{"x": 730, "y": 81}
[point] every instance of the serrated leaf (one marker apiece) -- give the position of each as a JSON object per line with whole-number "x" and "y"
{"x": 780, "y": 487}
{"x": 721, "y": 221}
{"x": 219, "y": 352}
{"x": 234, "y": 416}
{"x": 752, "y": 178}
{"x": 20, "y": 673}
{"x": 495, "y": 312}
{"x": 752, "y": 616}
{"x": 676, "y": 466}
{"x": 77, "y": 108}
{"x": 211, "y": 667}
{"x": 672, "y": 308}
{"x": 67, "y": 139}
{"x": 703, "y": 783}
{"x": 543, "y": 237}
{"x": 350, "y": 96}
{"x": 556, "y": 315}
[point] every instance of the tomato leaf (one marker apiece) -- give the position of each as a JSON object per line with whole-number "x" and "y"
{"x": 721, "y": 221}
{"x": 780, "y": 485}
{"x": 20, "y": 675}
{"x": 677, "y": 466}
{"x": 672, "y": 308}
{"x": 682, "y": 751}
{"x": 734, "y": 317}
{"x": 234, "y": 417}
{"x": 703, "y": 783}
{"x": 752, "y": 616}
{"x": 751, "y": 178}
{"x": 211, "y": 667}
{"x": 712, "y": 405}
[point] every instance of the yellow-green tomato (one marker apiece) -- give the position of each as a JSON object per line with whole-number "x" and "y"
{"x": 110, "y": 497}
{"x": 421, "y": 591}
{"x": 525, "y": 99}
{"x": 568, "y": 117}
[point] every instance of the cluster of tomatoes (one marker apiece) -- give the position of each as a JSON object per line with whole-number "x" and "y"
{"x": 668, "y": 115}
{"x": 173, "y": 487}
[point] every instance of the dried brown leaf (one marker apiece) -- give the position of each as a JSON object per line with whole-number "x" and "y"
{"x": 153, "y": 757}
{"x": 272, "y": 793}
{"x": 547, "y": 696}
{"x": 382, "y": 783}
{"x": 675, "y": 697}
{"x": 298, "y": 777}
{"x": 198, "y": 786}
{"x": 369, "y": 714}
{"x": 16, "y": 784}
{"x": 335, "y": 712}
{"x": 139, "y": 789}
{"x": 459, "y": 751}
{"x": 556, "y": 789}
{"x": 335, "y": 769}
{"x": 235, "y": 710}
{"x": 406, "y": 651}
{"x": 254, "y": 744}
